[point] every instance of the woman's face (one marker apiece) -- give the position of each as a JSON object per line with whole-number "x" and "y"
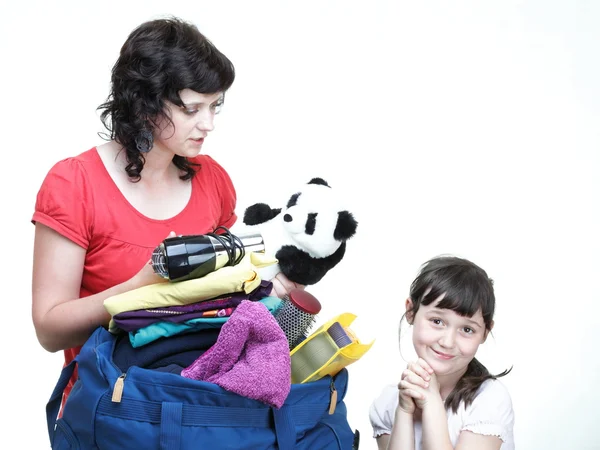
{"x": 446, "y": 340}
{"x": 191, "y": 123}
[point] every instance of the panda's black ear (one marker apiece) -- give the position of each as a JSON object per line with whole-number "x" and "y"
{"x": 320, "y": 181}
{"x": 345, "y": 227}
{"x": 259, "y": 213}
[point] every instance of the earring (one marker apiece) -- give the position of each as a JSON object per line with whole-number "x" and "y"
{"x": 144, "y": 141}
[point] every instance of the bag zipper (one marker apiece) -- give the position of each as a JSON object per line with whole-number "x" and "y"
{"x": 332, "y": 397}
{"x": 117, "y": 393}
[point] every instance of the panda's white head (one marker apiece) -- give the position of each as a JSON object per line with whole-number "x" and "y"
{"x": 315, "y": 219}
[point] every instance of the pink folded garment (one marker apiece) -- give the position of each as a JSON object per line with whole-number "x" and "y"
{"x": 251, "y": 357}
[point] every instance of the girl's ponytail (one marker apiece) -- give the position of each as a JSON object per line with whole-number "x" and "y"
{"x": 467, "y": 387}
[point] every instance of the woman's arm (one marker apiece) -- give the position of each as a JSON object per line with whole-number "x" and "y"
{"x": 61, "y": 320}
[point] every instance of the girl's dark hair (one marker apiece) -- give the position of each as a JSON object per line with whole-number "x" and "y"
{"x": 159, "y": 59}
{"x": 467, "y": 289}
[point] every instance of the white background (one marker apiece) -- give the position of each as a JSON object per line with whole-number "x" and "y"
{"x": 451, "y": 127}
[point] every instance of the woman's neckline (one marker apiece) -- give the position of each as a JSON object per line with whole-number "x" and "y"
{"x": 119, "y": 193}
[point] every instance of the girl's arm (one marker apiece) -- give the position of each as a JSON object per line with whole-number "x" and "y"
{"x": 403, "y": 432}
{"x": 468, "y": 440}
{"x": 383, "y": 441}
{"x": 420, "y": 383}
{"x": 60, "y": 318}
{"x": 435, "y": 425}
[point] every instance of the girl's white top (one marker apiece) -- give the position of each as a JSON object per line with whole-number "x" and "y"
{"x": 490, "y": 414}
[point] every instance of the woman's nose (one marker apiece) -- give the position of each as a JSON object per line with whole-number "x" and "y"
{"x": 206, "y": 121}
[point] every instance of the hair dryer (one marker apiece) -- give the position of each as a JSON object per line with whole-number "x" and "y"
{"x": 193, "y": 256}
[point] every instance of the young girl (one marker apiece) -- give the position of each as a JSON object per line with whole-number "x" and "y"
{"x": 446, "y": 399}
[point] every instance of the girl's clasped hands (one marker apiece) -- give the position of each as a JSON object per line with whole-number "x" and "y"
{"x": 418, "y": 386}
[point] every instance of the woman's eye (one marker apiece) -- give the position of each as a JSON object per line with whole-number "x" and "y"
{"x": 190, "y": 112}
{"x": 216, "y": 107}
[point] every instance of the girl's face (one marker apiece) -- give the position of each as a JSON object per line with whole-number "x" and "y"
{"x": 446, "y": 340}
{"x": 191, "y": 123}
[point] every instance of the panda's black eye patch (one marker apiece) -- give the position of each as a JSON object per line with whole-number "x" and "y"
{"x": 293, "y": 200}
{"x": 311, "y": 222}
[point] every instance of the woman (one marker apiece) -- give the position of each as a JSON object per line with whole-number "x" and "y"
{"x": 99, "y": 215}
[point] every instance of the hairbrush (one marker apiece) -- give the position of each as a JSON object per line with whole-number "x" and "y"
{"x": 296, "y": 315}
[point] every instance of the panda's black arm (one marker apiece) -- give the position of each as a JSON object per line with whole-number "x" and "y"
{"x": 259, "y": 213}
{"x": 299, "y": 267}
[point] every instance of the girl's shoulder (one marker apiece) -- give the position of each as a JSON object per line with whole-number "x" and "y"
{"x": 490, "y": 414}
{"x": 492, "y": 404}
{"x": 494, "y": 391}
{"x": 382, "y": 410}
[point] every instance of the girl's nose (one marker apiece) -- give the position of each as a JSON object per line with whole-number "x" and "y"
{"x": 447, "y": 339}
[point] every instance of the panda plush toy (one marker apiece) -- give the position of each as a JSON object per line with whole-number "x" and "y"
{"x": 308, "y": 237}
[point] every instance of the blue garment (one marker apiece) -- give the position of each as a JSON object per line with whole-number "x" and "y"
{"x": 157, "y": 330}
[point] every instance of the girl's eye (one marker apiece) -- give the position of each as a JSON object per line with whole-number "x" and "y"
{"x": 468, "y": 330}
{"x": 436, "y": 321}
{"x": 190, "y": 111}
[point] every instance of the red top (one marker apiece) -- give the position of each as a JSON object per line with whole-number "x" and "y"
{"x": 79, "y": 200}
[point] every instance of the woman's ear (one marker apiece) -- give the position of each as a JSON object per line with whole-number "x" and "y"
{"x": 409, "y": 308}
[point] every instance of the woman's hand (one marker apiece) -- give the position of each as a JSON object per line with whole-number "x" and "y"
{"x": 147, "y": 275}
{"x": 419, "y": 383}
{"x": 282, "y": 285}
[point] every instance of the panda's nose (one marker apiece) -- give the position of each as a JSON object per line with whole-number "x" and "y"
{"x": 287, "y": 218}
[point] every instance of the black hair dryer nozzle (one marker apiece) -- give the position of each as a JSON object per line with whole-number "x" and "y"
{"x": 193, "y": 256}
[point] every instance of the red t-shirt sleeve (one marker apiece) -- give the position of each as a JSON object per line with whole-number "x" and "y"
{"x": 64, "y": 202}
{"x": 227, "y": 193}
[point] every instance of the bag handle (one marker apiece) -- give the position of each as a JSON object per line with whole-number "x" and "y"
{"x": 170, "y": 426}
{"x": 171, "y": 416}
{"x": 53, "y": 405}
{"x": 285, "y": 430}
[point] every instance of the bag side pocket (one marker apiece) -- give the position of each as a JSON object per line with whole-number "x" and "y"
{"x": 64, "y": 439}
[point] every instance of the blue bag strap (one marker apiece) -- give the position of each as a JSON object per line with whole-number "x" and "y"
{"x": 53, "y": 405}
{"x": 171, "y": 417}
{"x": 210, "y": 416}
{"x": 285, "y": 429}
{"x": 170, "y": 425}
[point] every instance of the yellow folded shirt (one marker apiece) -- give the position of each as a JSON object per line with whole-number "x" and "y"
{"x": 241, "y": 277}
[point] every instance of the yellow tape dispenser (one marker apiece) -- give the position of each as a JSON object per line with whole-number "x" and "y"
{"x": 328, "y": 350}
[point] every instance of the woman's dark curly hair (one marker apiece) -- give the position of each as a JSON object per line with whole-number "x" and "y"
{"x": 159, "y": 59}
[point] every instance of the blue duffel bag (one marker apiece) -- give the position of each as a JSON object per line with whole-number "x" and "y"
{"x": 148, "y": 409}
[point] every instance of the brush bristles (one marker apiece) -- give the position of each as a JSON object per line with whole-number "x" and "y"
{"x": 294, "y": 322}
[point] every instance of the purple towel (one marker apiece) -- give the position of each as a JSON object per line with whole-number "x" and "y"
{"x": 251, "y": 357}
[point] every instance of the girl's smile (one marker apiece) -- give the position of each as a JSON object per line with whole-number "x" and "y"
{"x": 445, "y": 339}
